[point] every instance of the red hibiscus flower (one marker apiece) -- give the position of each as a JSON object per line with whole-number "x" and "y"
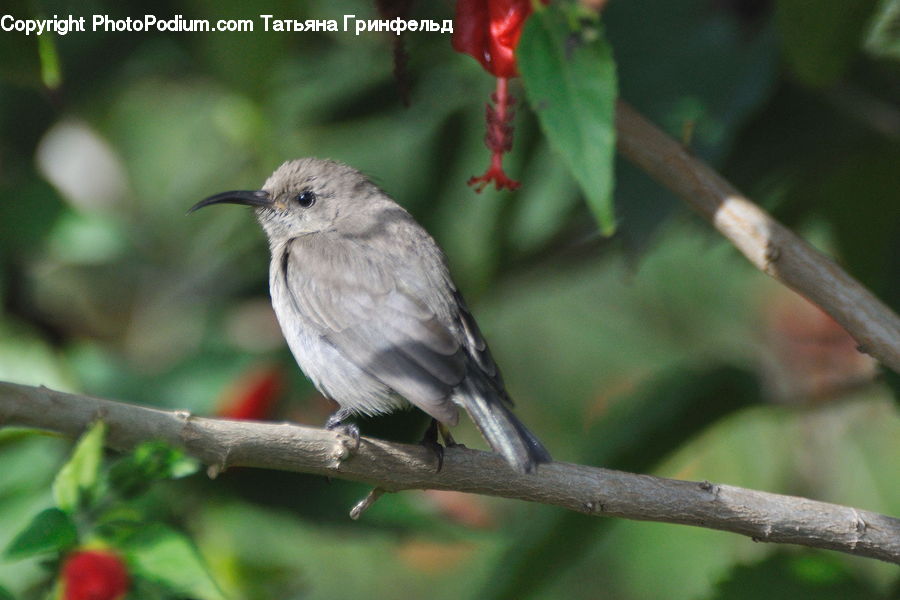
{"x": 489, "y": 31}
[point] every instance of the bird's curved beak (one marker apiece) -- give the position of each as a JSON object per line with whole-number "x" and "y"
{"x": 247, "y": 198}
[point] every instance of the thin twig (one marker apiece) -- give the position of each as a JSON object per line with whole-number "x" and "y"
{"x": 769, "y": 245}
{"x": 392, "y": 467}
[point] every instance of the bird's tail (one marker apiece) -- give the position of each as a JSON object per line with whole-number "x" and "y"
{"x": 506, "y": 434}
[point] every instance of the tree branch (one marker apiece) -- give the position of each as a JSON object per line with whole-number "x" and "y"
{"x": 393, "y": 467}
{"x": 769, "y": 245}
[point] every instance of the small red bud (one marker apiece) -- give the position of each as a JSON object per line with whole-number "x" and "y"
{"x": 94, "y": 575}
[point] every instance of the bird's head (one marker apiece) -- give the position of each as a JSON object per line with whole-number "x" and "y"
{"x": 304, "y": 196}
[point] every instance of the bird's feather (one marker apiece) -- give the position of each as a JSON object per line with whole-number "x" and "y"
{"x": 375, "y": 319}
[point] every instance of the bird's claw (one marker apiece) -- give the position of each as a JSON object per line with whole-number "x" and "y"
{"x": 430, "y": 441}
{"x": 438, "y": 451}
{"x": 350, "y": 430}
{"x": 336, "y": 422}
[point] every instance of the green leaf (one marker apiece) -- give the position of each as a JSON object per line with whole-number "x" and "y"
{"x": 77, "y": 482}
{"x": 51, "y": 74}
{"x": 5, "y": 594}
{"x": 570, "y": 79}
{"x": 52, "y": 530}
{"x": 821, "y": 38}
{"x": 883, "y": 37}
{"x": 165, "y": 556}
{"x": 150, "y": 462}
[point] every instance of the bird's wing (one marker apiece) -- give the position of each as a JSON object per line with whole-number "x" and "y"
{"x": 478, "y": 350}
{"x": 363, "y": 305}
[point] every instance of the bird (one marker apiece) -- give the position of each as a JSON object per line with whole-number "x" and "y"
{"x": 364, "y": 297}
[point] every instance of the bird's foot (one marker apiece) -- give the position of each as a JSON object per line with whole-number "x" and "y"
{"x": 449, "y": 442}
{"x": 430, "y": 441}
{"x": 337, "y": 422}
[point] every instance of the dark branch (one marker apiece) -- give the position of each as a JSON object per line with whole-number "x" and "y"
{"x": 394, "y": 467}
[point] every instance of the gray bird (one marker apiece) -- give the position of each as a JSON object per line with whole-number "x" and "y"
{"x": 365, "y": 300}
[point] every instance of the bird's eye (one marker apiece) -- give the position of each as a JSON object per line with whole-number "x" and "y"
{"x": 306, "y": 198}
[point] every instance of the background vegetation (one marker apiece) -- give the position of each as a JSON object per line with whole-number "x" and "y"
{"x": 657, "y": 350}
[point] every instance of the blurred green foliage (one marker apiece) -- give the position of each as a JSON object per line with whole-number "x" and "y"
{"x": 783, "y": 576}
{"x": 95, "y": 508}
{"x": 658, "y": 349}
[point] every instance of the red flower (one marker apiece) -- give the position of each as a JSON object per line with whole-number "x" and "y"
{"x": 94, "y": 575}
{"x": 498, "y": 139}
{"x": 253, "y": 394}
{"x": 489, "y": 30}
